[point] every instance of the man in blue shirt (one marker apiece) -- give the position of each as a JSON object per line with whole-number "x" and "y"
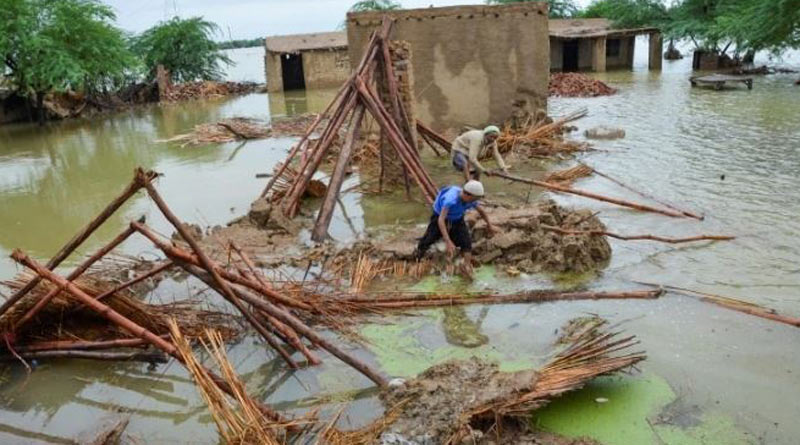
{"x": 447, "y": 221}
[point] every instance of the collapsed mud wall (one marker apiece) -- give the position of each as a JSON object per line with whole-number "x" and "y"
{"x": 469, "y": 62}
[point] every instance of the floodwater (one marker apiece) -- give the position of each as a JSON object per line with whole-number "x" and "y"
{"x": 712, "y": 376}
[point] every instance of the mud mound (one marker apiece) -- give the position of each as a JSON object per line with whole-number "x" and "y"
{"x": 577, "y": 85}
{"x": 523, "y": 242}
{"x": 428, "y": 406}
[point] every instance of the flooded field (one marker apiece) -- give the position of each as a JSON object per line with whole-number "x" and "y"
{"x": 712, "y": 376}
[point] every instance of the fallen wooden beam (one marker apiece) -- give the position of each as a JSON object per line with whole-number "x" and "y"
{"x": 638, "y": 237}
{"x": 137, "y": 356}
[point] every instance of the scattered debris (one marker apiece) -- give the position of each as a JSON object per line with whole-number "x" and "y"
{"x": 568, "y": 176}
{"x": 605, "y": 132}
{"x": 540, "y": 136}
{"x": 227, "y": 130}
{"x": 207, "y": 89}
{"x": 578, "y": 85}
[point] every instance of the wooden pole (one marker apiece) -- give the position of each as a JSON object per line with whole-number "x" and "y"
{"x": 646, "y": 195}
{"x": 619, "y": 202}
{"x": 638, "y": 237}
{"x": 175, "y": 252}
{"x": 436, "y": 137}
{"x": 75, "y": 274}
{"x": 425, "y": 300}
{"x": 82, "y": 345}
{"x": 149, "y": 357}
{"x": 320, "y": 231}
{"x": 297, "y": 325}
{"x": 79, "y": 238}
{"x": 153, "y": 272}
{"x": 120, "y": 320}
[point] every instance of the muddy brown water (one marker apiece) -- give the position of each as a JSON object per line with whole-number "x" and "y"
{"x": 679, "y": 143}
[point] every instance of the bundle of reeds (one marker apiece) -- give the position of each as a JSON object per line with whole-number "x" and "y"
{"x": 568, "y": 176}
{"x": 226, "y": 130}
{"x": 239, "y": 419}
{"x": 541, "y": 138}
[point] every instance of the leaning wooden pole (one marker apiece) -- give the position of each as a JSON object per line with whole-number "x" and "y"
{"x": 75, "y": 274}
{"x": 646, "y": 195}
{"x": 638, "y": 237}
{"x": 320, "y": 231}
{"x": 619, "y": 202}
{"x": 123, "y": 322}
{"x": 298, "y": 326}
{"x": 79, "y": 238}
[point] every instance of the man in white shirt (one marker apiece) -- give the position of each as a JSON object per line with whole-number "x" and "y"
{"x": 472, "y": 145}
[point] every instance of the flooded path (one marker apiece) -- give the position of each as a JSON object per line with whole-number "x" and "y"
{"x": 713, "y": 376}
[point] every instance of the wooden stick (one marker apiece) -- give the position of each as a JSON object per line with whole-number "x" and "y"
{"x": 521, "y": 297}
{"x": 638, "y": 237}
{"x": 619, "y": 202}
{"x": 149, "y": 357}
{"x": 731, "y": 303}
{"x": 123, "y": 322}
{"x": 175, "y": 252}
{"x": 75, "y": 274}
{"x": 78, "y": 239}
{"x": 436, "y": 137}
{"x": 58, "y": 345}
{"x": 297, "y": 325}
{"x": 286, "y": 332}
{"x": 646, "y": 195}
{"x": 168, "y": 264}
{"x": 208, "y": 265}
{"x": 320, "y": 231}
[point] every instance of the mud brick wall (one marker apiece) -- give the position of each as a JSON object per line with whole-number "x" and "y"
{"x": 469, "y": 62}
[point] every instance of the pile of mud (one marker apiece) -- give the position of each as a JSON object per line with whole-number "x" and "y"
{"x": 522, "y": 241}
{"x": 437, "y": 405}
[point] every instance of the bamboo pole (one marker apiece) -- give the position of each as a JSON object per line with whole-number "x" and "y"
{"x": 391, "y": 131}
{"x": 58, "y": 345}
{"x": 297, "y": 325}
{"x": 436, "y": 137}
{"x": 288, "y": 334}
{"x": 78, "y": 239}
{"x": 149, "y": 357}
{"x": 175, "y": 252}
{"x": 731, "y": 303}
{"x": 123, "y": 322}
{"x": 208, "y": 265}
{"x": 75, "y": 274}
{"x": 638, "y": 237}
{"x": 619, "y": 202}
{"x": 320, "y": 230}
{"x": 151, "y": 273}
{"x": 646, "y": 195}
{"x": 424, "y": 300}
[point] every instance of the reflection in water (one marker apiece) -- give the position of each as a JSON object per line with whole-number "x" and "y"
{"x": 460, "y": 330}
{"x": 297, "y": 102}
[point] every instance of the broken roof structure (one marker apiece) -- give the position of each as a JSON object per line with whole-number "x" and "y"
{"x": 594, "y": 45}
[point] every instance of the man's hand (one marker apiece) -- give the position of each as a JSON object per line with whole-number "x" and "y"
{"x": 451, "y": 248}
{"x": 488, "y": 173}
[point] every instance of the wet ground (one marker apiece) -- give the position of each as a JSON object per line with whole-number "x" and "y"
{"x": 712, "y": 376}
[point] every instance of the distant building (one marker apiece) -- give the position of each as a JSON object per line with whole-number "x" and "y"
{"x": 468, "y": 63}
{"x": 306, "y": 61}
{"x": 593, "y": 45}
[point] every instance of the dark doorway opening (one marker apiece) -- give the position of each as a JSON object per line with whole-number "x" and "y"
{"x": 292, "y": 71}
{"x": 570, "y": 62}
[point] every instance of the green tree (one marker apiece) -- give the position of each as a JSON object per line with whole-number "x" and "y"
{"x": 375, "y": 5}
{"x": 559, "y": 9}
{"x": 61, "y": 45}
{"x": 629, "y": 13}
{"x": 185, "y": 47}
{"x": 761, "y": 25}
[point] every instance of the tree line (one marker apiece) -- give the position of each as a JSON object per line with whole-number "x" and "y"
{"x": 73, "y": 45}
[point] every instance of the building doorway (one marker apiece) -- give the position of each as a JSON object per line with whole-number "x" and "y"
{"x": 292, "y": 71}
{"x": 570, "y": 62}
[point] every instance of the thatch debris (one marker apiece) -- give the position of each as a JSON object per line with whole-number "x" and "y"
{"x": 227, "y": 130}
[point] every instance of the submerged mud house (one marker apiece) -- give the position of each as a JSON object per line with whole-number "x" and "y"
{"x": 593, "y": 45}
{"x": 468, "y": 63}
{"x": 306, "y": 61}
